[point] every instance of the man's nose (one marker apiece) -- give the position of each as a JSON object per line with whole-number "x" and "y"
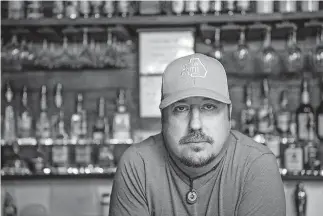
{"x": 195, "y": 121}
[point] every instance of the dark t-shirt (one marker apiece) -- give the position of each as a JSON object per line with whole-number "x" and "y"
{"x": 244, "y": 180}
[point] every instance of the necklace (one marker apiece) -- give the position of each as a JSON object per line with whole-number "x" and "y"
{"x": 192, "y": 195}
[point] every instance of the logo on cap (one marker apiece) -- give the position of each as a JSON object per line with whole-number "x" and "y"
{"x": 194, "y": 68}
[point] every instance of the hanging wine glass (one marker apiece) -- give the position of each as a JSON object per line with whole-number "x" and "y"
{"x": 85, "y": 58}
{"x": 242, "y": 56}
{"x": 63, "y": 57}
{"x": 294, "y": 59}
{"x": 267, "y": 60}
{"x": 12, "y": 50}
{"x": 217, "y": 51}
{"x": 317, "y": 56}
{"x": 106, "y": 58}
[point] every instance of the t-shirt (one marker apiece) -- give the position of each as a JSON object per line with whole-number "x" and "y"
{"x": 243, "y": 180}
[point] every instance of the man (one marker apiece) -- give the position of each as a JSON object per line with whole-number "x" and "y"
{"x": 197, "y": 165}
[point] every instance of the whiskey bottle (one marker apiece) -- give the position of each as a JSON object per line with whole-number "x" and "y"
{"x": 58, "y": 124}
{"x": 25, "y": 118}
{"x": 311, "y": 150}
{"x": 121, "y": 128}
{"x": 283, "y": 115}
{"x": 319, "y": 115}
{"x": 303, "y": 112}
{"x": 293, "y": 155}
{"x": 248, "y": 114}
{"x": 77, "y": 119}
{"x": 9, "y": 122}
{"x": 101, "y": 126}
{"x": 265, "y": 115}
{"x": 43, "y": 124}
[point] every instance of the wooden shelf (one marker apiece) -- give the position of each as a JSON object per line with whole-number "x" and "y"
{"x": 110, "y": 174}
{"x": 170, "y": 20}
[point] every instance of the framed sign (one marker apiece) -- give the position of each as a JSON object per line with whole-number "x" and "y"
{"x": 159, "y": 47}
{"x": 150, "y": 94}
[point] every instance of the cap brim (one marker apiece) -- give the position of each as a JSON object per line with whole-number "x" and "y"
{"x": 193, "y": 92}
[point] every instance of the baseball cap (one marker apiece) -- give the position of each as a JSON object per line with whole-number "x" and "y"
{"x": 194, "y": 75}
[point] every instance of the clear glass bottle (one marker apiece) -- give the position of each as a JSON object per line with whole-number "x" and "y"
{"x": 109, "y": 8}
{"x": 205, "y": 7}
{"x": 121, "y": 126}
{"x": 43, "y": 124}
{"x": 287, "y": 6}
{"x": 304, "y": 112}
{"x": 191, "y": 7}
{"x": 9, "y": 122}
{"x": 283, "y": 115}
{"x": 101, "y": 126}
{"x": 25, "y": 119}
{"x": 178, "y": 7}
{"x": 248, "y": 114}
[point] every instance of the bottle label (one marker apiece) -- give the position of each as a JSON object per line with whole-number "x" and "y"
{"x": 294, "y": 159}
{"x": 83, "y": 154}
{"x": 302, "y": 121}
{"x": 273, "y": 143}
{"x": 283, "y": 120}
{"x": 320, "y": 125}
{"x": 76, "y": 125}
{"x": 264, "y": 122}
{"x": 60, "y": 154}
{"x": 106, "y": 157}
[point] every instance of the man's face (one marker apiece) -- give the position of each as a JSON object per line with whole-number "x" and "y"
{"x": 195, "y": 129}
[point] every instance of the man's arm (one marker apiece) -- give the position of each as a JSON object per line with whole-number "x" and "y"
{"x": 128, "y": 190}
{"x": 263, "y": 191}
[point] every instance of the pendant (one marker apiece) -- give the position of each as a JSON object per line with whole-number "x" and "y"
{"x": 191, "y": 197}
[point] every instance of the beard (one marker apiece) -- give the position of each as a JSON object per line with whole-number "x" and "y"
{"x": 193, "y": 159}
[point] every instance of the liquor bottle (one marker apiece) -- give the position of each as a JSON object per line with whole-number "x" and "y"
{"x": 38, "y": 160}
{"x": 311, "y": 150}
{"x": 265, "y": 115}
{"x": 34, "y": 9}
{"x": 300, "y": 198}
{"x": 293, "y": 154}
{"x": 43, "y": 124}
{"x": 101, "y": 126}
{"x": 96, "y": 8}
{"x": 9, "y": 122}
{"x": 77, "y": 119}
{"x": 287, "y": 6}
{"x": 121, "y": 128}
{"x": 303, "y": 112}
{"x": 58, "y": 124}
{"x": 16, "y": 9}
{"x": 123, "y": 7}
{"x": 25, "y": 118}
{"x": 319, "y": 114}
{"x": 229, "y": 7}
{"x": 16, "y": 164}
{"x": 243, "y": 6}
{"x": 283, "y": 115}
{"x": 71, "y": 9}
{"x": 248, "y": 114}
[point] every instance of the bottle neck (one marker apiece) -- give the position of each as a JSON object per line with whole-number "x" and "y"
{"x": 305, "y": 97}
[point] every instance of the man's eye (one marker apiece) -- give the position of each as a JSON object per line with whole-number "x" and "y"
{"x": 180, "y": 108}
{"x": 209, "y": 107}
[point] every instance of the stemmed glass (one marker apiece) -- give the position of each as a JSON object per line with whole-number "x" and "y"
{"x": 217, "y": 51}
{"x": 294, "y": 59}
{"x": 317, "y": 56}
{"x": 267, "y": 60}
{"x": 242, "y": 56}
{"x": 12, "y": 54}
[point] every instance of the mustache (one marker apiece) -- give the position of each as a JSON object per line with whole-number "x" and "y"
{"x": 196, "y": 136}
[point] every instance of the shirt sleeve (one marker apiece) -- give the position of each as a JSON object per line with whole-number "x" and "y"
{"x": 128, "y": 190}
{"x": 263, "y": 191}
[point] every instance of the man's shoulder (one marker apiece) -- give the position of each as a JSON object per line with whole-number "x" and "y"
{"x": 150, "y": 148}
{"x": 248, "y": 147}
